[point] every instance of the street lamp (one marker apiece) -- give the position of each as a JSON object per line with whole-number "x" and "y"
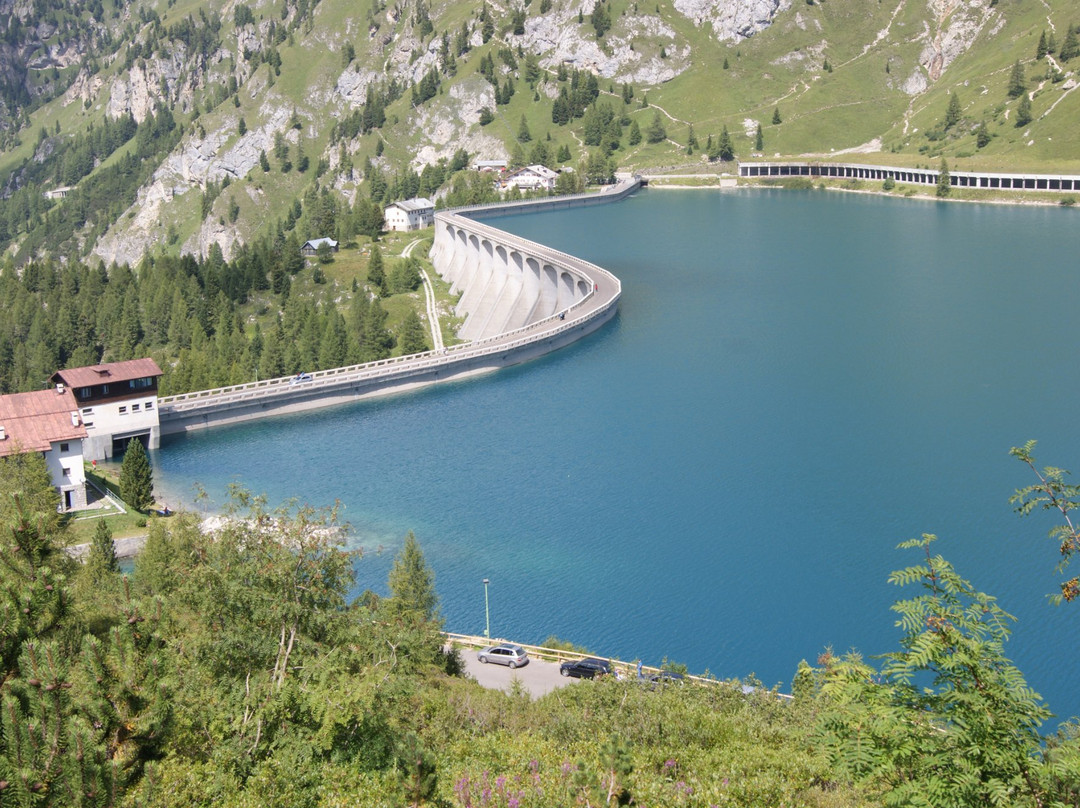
{"x": 487, "y": 612}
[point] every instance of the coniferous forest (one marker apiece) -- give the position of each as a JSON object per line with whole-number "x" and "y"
{"x": 238, "y": 667}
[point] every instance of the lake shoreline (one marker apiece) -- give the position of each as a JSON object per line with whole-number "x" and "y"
{"x": 932, "y": 197}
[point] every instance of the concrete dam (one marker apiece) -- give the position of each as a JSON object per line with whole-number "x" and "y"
{"x": 520, "y": 300}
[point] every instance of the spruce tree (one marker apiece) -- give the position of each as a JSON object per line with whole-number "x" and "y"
{"x": 1023, "y": 111}
{"x": 523, "y": 135}
{"x": 376, "y": 274}
{"x": 655, "y": 132}
{"x": 982, "y": 135}
{"x": 1070, "y": 48}
{"x": 136, "y": 477}
{"x": 412, "y": 583}
{"x": 725, "y": 148}
{"x": 1040, "y": 49}
{"x": 1017, "y": 82}
{"x": 101, "y": 560}
{"x": 413, "y": 337}
{"x": 943, "y": 181}
{"x": 776, "y": 119}
{"x": 952, "y": 114}
{"x": 759, "y": 139}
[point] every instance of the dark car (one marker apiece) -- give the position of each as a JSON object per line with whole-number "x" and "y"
{"x": 667, "y": 677}
{"x": 588, "y": 668}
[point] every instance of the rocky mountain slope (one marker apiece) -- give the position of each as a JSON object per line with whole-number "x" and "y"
{"x": 273, "y": 99}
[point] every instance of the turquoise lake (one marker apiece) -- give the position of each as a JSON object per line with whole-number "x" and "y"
{"x": 795, "y": 383}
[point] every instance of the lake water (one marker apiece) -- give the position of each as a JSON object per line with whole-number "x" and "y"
{"x": 795, "y": 383}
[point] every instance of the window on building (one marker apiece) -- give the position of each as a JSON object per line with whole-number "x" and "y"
{"x": 144, "y": 382}
{"x": 134, "y": 407}
{"x": 123, "y": 410}
{"x": 63, "y": 447}
{"x": 149, "y": 405}
{"x": 66, "y": 471}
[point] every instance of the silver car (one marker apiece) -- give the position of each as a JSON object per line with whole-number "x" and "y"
{"x": 504, "y": 654}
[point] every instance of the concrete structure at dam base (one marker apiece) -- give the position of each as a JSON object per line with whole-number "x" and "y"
{"x": 917, "y": 176}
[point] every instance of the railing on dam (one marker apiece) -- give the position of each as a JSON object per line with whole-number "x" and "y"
{"x": 270, "y": 396}
{"x": 918, "y": 176}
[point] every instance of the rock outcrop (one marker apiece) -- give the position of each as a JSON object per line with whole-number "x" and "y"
{"x": 956, "y": 27}
{"x": 558, "y": 39}
{"x": 733, "y": 20}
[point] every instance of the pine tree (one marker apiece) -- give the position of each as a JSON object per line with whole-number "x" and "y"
{"x": 655, "y": 132}
{"x": 33, "y": 600}
{"x": 943, "y": 182}
{"x": 1070, "y": 48}
{"x": 601, "y": 18}
{"x": 1023, "y": 111}
{"x": 759, "y": 139}
{"x": 1017, "y": 82}
{"x": 101, "y": 560}
{"x": 413, "y": 338}
{"x": 952, "y": 114}
{"x": 1040, "y": 49}
{"x": 376, "y": 275}
{"x": 136, "y": 477}
{"x": 776, "y": 119}
{"x": 412, "y": 583}
{"x": 725, "y": 148}
{"x": 633, "y": 137}
{"x": 523, "y": 135}
{"x": 982, "y": 135}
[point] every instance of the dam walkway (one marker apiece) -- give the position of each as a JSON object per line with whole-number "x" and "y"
{"x": 599, "y": 292}
{"x": 917, "y": 176}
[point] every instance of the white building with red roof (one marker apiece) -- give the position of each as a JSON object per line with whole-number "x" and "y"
{"x": 117, "y": 402}
{"x": 48, "y": 421}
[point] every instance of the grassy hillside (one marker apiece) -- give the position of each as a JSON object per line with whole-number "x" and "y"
{"x": 844, "y": 75}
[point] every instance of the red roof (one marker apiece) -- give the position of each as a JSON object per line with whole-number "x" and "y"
{"x": 33, "y": 421}
{"x": 107, "y": 373}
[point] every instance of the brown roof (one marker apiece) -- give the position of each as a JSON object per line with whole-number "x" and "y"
{"x": 33, "y": 421}
{"x": 107, "y": 373}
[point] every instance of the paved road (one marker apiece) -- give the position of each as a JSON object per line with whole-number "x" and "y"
{"x": 538, "y": 677}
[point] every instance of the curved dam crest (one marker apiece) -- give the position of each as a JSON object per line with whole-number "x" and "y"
{"x": 520, "y": 300}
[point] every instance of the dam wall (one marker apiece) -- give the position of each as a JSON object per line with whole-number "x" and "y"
{"x": 507, "y": 282}
{"x": 532, "y": 299}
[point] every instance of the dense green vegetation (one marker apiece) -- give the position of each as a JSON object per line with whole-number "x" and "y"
{"x": 234, "y": 668}
{"x": 209, "y": 323}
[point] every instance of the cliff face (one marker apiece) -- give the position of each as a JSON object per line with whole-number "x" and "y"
{"x": 733, "y": 20}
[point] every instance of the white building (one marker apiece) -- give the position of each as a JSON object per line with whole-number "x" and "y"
{"x": 117, "y": 402}
{"x": 530, "y": 178}
{"x": 48, "y": 421}
{"x": 411, "y": 214}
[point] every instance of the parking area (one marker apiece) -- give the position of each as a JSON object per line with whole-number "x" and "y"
{"x": 538, "y": 677}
